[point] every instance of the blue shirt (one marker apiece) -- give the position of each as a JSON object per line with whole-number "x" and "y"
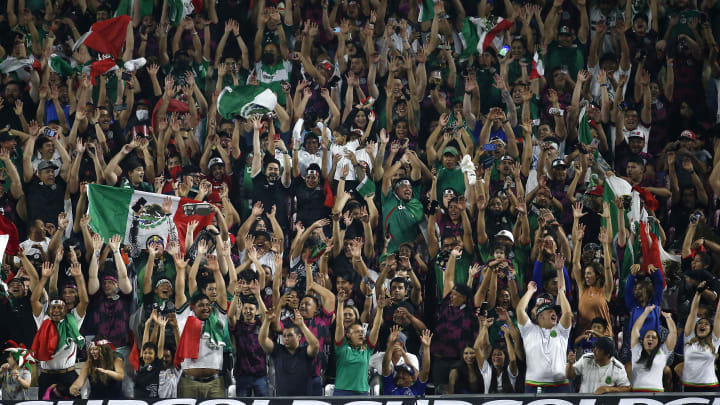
{"x": 390, "y": 388}
{"x": 653, "y": 319}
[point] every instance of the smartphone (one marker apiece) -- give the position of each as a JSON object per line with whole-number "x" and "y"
{"x": 504, "y": 51}
{"x": 490, "y": 147}
{"x": 126, "y": 77}
{"x": 436, "y": 75}
{"x": 336, "y": 29}
{"x": 139, "y": 204}
{"x": 49, "y": 133}
{"x": 595, "y": 142}
{"x": 483, "y": 308}
{"x": 120, "y": 107}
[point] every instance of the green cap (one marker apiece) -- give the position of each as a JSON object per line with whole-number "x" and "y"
{"x": 451, "y": 150}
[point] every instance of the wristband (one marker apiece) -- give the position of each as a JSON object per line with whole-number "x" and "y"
{"x": 603, "y": 85}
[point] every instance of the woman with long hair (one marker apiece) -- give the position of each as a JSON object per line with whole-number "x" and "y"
{"x": 104, "y": 369}
{"x": 466, "y": 378}
{"x": 702, "y": 339}
{"x": 498, "y": 366}
{"x": 649, "y": 357}
{"x": 353, "y": 351}
{"x": 594, "y": 281}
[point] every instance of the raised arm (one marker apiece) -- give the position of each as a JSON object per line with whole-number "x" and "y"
{"x": 520, "y": 311}
{"x": 83, "y": 300}
{"x": 265, "y": 342}
{"x": 672, "y": 331}
{"x": 639, "y": 322}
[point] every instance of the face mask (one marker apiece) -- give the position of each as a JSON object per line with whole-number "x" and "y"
{"x": 142, "y": 115}
{"x": 268, "y": 58}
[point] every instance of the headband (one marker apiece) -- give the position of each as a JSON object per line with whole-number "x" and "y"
{"x": 57, "y": 302}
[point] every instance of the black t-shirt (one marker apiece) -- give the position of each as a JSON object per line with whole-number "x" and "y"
{"x": 310, "y": 202}
{"x": 294, "y": 370}
{"x": 272, "y": 194}
{"x": 18, "y": 313}
{"x": 147, "y": 379}
{"x": 44, "y": 201}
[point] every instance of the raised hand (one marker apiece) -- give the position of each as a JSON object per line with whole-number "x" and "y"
{"x": 426, "y": 337}
{"x": 76, "y": 269}
{"x": 97, "y": 242}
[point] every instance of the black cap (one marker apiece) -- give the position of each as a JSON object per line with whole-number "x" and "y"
{"x": 605, "y": 344}
{"x": 7, "y": 136}
{"x": 463, "y": 289}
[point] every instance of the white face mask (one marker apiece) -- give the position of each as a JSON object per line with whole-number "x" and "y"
{"x": 142, "y": 115}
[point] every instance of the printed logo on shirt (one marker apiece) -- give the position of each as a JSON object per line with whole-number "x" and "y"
{"x": 553, "y": 333}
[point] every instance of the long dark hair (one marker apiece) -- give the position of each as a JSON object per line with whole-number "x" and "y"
{"x": 647, "y": 358}
{"x": 463, "y": 379}
{"x": 507, "y": 384}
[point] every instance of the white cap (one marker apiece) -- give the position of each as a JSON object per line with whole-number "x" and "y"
{"x": 215, "y": 161}
{"x": 506, "y": 234}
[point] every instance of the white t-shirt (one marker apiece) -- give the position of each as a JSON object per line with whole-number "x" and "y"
{"x": 168, "y": 382}
{"x": 595, "y": 85}
{"x": 649, "y": 380}
{"x": 65, "y": 357}
{"x": 360, "y": 154}
{"x": 377, "y": 358}
{"x": 209, "y": 356}
{"x": 305, "y": 159}
{"x": 546, "y": 352}
{"x": 268, "y": 259}
{"x": 594, "y": 376}
{"x": 699, "y": 369}
{"x": 487, "y": 377}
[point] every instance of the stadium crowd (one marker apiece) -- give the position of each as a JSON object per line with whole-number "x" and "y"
{"x": 358, "y": 197}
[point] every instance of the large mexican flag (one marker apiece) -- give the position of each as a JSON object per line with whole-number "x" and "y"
{"x": 111, "y": 213}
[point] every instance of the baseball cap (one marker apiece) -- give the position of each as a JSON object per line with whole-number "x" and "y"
{"x": 7, "y": 136}
{"x": 451, "y": 150}
{"x": 162, "y": 281}
{"x": 688, "y": 134}
{"x": 605, "y": 344}
{"x": 638, "y": 134}
{"x": 507, "y": 234}
{"x": 564, "y": 30}
{"x": 559, "y": 163}
{"x": 497, "y": 139}
{"x": 548, "y": 306}
{"x": 215, "y": 161}
{"x": 46, "y": 164}
{"x": 507, "y": 157}
{"x": 463, "y": 289}
{"x": 404, "y": 367}
{"x": 597, "y": 191}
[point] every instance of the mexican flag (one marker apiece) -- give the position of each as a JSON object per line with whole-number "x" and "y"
{"x": 111, "y": 213}
{"x": 538, "y": 69}
{"x": 60, "y": 66}
{"x": 107, "y": 36}
{"x": 245, "y": 101}
{"x": 479, "y": 33}
{"x": 427, "y": 11}
{"x": 179, "y": 9}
